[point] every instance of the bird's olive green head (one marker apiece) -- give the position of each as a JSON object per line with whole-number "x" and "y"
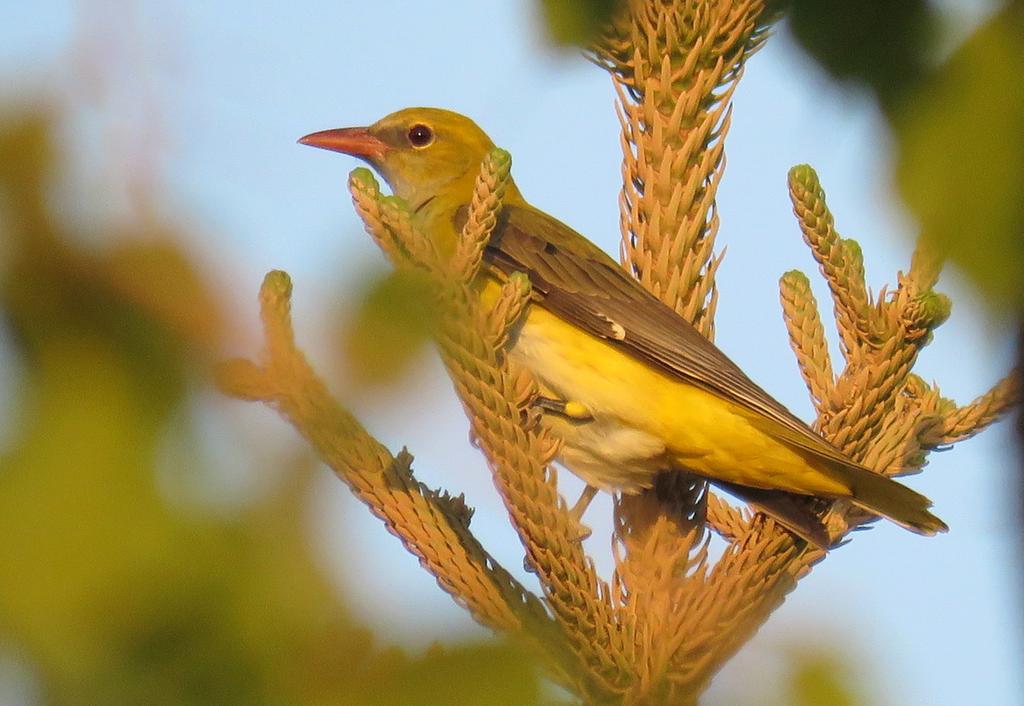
{"x": 420, "y": 152}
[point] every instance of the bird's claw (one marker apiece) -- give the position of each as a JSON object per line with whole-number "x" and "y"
{"x": 573, "y": 410}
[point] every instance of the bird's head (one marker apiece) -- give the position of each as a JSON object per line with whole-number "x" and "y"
{"x": 422, "y": 153}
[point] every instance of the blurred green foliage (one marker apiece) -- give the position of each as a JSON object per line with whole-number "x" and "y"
{"x": 577, "y": 22}
{"x": 804, "y": 671}
{"x": 394, "y": 321}
{"x": 958, "y": 122}
{"x": 820, "y": 678}
{"x": 881, "y": 43}
{"x": 113, "y": 592}
{"x": 961, "y": 157}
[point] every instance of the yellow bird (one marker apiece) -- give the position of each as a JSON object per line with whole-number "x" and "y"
{"x": 630, "y": 386}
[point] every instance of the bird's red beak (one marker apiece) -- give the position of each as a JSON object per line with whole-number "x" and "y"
{"x": 356, "y": 141}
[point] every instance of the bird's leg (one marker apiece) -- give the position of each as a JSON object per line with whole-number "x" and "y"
{"x": 577, "y": 514}
{"x": 583, "y": 503}
{"x": 577, "y": 412}
{"x": 581, "y": 507}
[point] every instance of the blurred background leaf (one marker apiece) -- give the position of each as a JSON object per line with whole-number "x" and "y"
{"x": 820, "y": 678}
{"x": 576, "y": 22}
{"x": 883, "y": 44}
{"x": 961, "y": 157}
{"x": 956, "y": 109}
{"x": 806, "y": 671}
{"x": 392, "y": 325}
{"x": 113, "y": 591}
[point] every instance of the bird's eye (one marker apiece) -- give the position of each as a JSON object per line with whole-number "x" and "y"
{"x": 420, "y": 135}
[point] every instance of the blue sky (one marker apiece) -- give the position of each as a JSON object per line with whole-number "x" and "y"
{"x": 226, "y": 88}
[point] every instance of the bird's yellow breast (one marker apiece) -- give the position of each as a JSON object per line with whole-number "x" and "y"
{"x": 643, "y": 420}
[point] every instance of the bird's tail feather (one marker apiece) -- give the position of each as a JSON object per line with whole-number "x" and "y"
{"x": 884, "y": 496}
{"x": 871, "y": 491}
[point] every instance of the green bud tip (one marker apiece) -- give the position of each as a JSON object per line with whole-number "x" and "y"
{"x": 363, "y": 178}
{"x": 795, "y": 278}
{"x": 502, "y": 159}
{"x": 934, "y": 307}
{"x": 277, "y": 283}
{"x": 853, "y": 249}
{"x": 804, "y": 174}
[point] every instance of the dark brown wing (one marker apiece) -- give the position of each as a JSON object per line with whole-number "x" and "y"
{"x": 574, "y": 279}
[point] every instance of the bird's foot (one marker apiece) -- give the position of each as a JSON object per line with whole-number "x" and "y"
{"x": 573, "y": 410}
